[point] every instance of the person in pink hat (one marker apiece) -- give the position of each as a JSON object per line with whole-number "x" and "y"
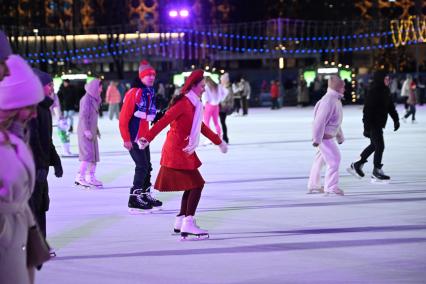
{"x": 20, "y": 92}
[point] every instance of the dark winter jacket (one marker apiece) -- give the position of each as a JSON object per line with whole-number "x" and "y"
{"x": 378, "y": 104}
{"x": 44, "y": 153}
{"x": 67, "y": 98}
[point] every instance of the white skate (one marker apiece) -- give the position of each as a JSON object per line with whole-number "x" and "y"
{"x": 67, "y": 151}
{"x": 315, "y": 190}
{"x": 93, "y": 182}
{"x": 178, "y": 224}
{"x": 190, "y": 229}
{"x": 81, "y": 182}
{"x": 335, "y": 192}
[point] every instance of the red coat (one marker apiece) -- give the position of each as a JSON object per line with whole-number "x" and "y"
{"x": 180, "y": 117}
{"x": 275, "y": 91}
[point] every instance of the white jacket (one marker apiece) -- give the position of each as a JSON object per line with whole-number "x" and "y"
{"x": 328, "y": 116}
{"x": 214, "y": 97}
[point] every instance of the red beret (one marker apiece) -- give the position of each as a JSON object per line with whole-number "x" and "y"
{"x": 194, "y": 78}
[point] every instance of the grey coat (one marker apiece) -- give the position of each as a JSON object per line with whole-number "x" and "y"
{"x": 88, "y": 120}
{"x": 17, "y": 179}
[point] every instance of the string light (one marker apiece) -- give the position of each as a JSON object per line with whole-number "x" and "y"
{"x": 405, "y": 30}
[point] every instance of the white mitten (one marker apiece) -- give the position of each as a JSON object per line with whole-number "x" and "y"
{"x": 142, "y": 143}
{"x": 223, "y": 147}
{"x": 88, "y": 134}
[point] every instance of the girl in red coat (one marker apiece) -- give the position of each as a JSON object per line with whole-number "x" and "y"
{"x": 179, "y": 162}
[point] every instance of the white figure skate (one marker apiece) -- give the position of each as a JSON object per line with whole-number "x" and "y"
{"x": 190, "y": 230}
{"x": 178, "y": 224}
{"x": 81, "y": 182}
{"x": 93, "y": 182}
{"x": 335, "y": 192}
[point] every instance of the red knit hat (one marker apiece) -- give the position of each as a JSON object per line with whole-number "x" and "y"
{"x": 194, "y": 78}
{"x": 145, "y": 69}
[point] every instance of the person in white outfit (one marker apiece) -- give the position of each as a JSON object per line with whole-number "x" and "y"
{"x": 213, "y": 95}
{"x": 328, "y": 117}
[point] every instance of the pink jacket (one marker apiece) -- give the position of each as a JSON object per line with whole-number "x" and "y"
{"x": 328, "y": 116}
{"x": 112, "y": 95}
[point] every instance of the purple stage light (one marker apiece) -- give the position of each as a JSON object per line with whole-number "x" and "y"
{"x": 173, "y": 13}
{"x": 184, "y": 13}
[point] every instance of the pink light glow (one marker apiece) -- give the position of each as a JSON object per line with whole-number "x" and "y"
{"x": 184, "y": 13}
{"x": 173, "y": 13}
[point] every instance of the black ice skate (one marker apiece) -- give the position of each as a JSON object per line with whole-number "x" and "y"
{"x": 156, "y": 204}
{"x": 378, "y": 176}
{"x": 356, "y": 169}
{"x": 190, "y": 230}
{"x": 138, "y": 202}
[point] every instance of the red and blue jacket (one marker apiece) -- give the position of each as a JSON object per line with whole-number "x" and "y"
{"x": 140, "y": 100}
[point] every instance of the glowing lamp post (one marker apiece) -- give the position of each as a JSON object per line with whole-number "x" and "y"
{"x": 179, "y": 14}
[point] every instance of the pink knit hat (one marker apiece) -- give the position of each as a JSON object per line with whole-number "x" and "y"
{"x": 145, "y": 69}
{"x": 22, "y": 88}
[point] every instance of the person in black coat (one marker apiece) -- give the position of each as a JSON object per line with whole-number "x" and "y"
{"x": 44, "y": 152}
{"x": 377, "y": 106}
{"x": 68, "y": 100}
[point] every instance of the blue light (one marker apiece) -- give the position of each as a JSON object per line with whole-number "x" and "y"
{"x": 325, "y": 38}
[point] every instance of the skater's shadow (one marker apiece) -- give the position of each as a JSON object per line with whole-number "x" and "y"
{"x": 279, "y": 233}
{"x": 259, "y": 248}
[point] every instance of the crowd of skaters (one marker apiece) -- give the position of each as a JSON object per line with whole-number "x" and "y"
{"x": 27, "y": 98}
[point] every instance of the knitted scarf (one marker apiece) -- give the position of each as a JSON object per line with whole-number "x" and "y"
{"x": 194, "y": 136}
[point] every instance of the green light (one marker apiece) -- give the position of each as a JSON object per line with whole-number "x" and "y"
{"x": 309, "y": 76}
{"x": 345, "y": 74}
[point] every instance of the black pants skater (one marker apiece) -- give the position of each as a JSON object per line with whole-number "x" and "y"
{"x": 143, "y": 167}
{"x": 377, "y": 145}
{"x": 223, "y": 116}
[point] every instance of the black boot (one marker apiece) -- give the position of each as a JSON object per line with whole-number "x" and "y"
{"x": 379, "y": 175}
{"x": 154, "y": 202}
{"x": 138, "y": 203}
{"x": 356, "y": 169}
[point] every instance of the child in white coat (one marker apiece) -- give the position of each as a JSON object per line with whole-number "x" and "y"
{"x": 328, "y": 117}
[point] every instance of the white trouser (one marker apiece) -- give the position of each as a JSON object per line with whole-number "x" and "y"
{"x": 329, "y": 154}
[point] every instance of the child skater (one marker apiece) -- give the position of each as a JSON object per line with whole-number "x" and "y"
{"x": 328, "y": 117}
{"x": 88, "y": 133}
{"x": 179, "y": 162}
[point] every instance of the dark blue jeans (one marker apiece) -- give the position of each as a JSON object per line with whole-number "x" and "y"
{"x": 143, "y": 167}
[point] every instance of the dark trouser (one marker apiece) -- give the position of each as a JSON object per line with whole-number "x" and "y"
{"x": 405, "y": 103}
{"x": 244, "y": 103}
{"x": 189, "y": 203}
{"x": 237, "y": 105}
{"x": 411, "y": 111}
{"x": 143, "y": 168}
{"x": 275, "y": 103}
{"x": 39, "y": 204}
{"x": 377, "y": 145}
{"x": 223, "y": 116}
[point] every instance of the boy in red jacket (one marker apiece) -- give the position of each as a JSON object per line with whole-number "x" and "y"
{"x": 138, "y": 109}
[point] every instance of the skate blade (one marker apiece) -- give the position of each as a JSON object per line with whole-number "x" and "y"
{"x": 315, "y": 191}
{"x": 158, "y": 208}
{"x": 353, "y": 172}
{"x": 81, "y": 186}
{"x": 135, "y": 211}
{"x": 377, "y": 181}
{"x": 331, "y": 194}
{"x": 185, "y": 237}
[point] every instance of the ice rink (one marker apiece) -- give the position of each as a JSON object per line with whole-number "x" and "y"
{"x": 263, "y": 226}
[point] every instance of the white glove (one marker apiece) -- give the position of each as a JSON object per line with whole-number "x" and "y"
{"x": 223, "y": 147}
{"x": 142, "y": 143}
{"x": 88, "y": 134}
